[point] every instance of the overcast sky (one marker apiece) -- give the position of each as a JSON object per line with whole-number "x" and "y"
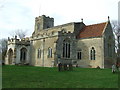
{"x": 20, "y": 14}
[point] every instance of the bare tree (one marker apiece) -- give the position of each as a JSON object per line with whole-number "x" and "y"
{"x": 116, "y": 27}
{"x": 116, "y": 31}
{"x": 3, "y": 48}
{"x": 20, "y": 33}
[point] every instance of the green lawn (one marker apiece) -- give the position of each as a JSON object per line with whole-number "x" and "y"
{"x": 41, "y": 77}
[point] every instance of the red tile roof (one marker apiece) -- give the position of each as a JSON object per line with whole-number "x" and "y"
{"x": 94, "y": 30}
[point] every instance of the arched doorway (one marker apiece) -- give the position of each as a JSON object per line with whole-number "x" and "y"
{"x": 23, "y": 55}
{"x": 10, "y": 56}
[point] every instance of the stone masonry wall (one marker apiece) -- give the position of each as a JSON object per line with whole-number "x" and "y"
{"x": 85, "y": 45}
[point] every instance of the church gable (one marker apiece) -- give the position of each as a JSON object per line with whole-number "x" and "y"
{"x": 94, "y": 30}
{"x": 108, "y": 30}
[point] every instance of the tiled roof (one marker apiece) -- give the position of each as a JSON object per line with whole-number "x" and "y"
{"x": 94, "y": 30}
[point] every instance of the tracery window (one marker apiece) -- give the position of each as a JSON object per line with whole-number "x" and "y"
{"x": 66, "y": 49}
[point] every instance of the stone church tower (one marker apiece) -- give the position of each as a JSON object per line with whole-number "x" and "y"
{"x": 43, "y": 22}
{"x": 74, "y": 43}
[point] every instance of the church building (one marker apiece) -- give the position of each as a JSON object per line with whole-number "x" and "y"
{"x": 88, "y": 46}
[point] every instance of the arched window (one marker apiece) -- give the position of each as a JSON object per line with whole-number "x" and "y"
{"x": 49, "y": 52}
{"x": 79, "y": 54}
{"x": 39, "y": 53}
{"x": 23, "y": 54}
{"x": 92, "y": 54}
{"x": 66, "y": 49}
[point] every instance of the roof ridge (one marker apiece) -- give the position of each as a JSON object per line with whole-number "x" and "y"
{"x": 96, "y": 24}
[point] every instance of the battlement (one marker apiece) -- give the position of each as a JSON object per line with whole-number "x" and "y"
{"x": 24, "y": 41}
{"x": 65, "y": 32}
{"x": 44, "y": 17}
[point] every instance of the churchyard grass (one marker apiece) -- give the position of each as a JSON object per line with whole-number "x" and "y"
{"x": 44, "y": 77}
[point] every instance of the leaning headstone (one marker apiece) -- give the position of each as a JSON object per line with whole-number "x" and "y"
{"x": 113, "y": 68}
{"x": 67, "y": 67}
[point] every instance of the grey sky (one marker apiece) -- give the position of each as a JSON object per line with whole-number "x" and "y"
{"x": 20, "y": 14}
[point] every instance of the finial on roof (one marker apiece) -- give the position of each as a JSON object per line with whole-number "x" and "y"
{"x": 108, "y": 18}
{"x": 81, "y": 19}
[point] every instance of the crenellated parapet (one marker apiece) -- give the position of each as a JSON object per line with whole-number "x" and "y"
{"x": 16, "y": 41}
{"x": 66, "y": 33}
{"x": 43, "y": 17}
{"x": 45, "y": 34}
